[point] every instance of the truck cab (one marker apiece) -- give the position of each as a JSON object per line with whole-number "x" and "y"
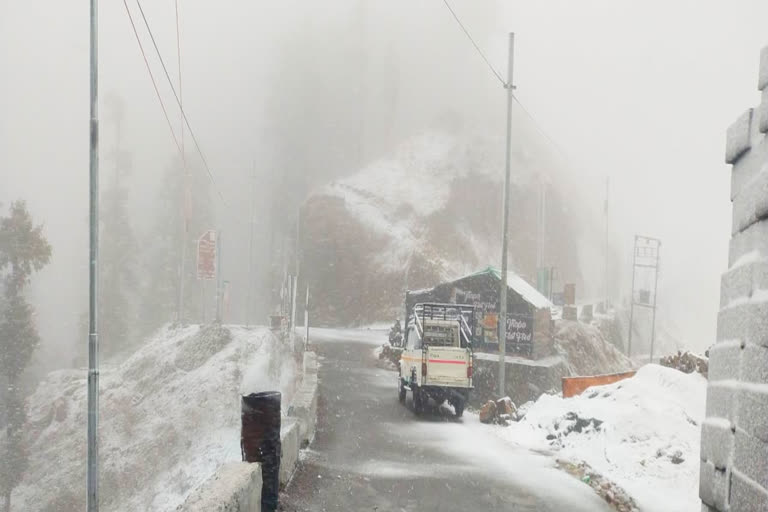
{"x": 436, "y": 361}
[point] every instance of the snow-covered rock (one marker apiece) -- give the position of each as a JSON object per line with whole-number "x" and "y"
{"x": 427, "y": 213}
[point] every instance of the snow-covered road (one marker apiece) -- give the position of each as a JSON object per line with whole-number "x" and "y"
{"x": 372, "y": 453}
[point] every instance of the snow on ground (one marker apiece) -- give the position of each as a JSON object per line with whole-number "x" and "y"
{"x": 367, "y": 336}
{"x": 169, "y": 414}
{"x": 642, "y": 433}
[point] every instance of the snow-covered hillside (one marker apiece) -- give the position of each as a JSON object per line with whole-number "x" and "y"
{"x": 169, "y": 417}
{"x": 642, "y": 433}
{"x": 430, "y": 211}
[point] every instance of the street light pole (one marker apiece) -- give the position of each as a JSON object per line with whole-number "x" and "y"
{"x": 505, "y": 226}
{"x": 92, "y": 466}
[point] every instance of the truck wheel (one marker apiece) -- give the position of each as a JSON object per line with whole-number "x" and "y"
{"x": 401, "y": 391}
{"x": 418, "y": 400}
{"x": 459, "y": 408}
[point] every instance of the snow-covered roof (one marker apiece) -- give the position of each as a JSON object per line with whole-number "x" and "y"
{"x": 514, "y": 281}
{"x": 519, "y": 285}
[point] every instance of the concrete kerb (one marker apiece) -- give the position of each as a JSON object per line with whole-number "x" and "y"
{"x": 236, "y": 486}
{"x": 304, "y": 406}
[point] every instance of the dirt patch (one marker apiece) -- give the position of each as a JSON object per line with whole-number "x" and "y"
{"x": 614, "y": 495}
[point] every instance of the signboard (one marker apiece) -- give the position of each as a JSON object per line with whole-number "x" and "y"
{"x": 519, "y": 330}
{"x": 206, "y": 256}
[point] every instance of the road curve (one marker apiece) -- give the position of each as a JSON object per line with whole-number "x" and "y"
{"x": 373, "y": 454}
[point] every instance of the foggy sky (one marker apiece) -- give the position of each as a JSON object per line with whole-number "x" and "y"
{"x": 640, "y": 92}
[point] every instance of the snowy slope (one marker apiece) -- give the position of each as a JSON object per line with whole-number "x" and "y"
{"x": 645, "y": 438}
{"x": 394, "y": 196}
{"x": 169, "y": 418}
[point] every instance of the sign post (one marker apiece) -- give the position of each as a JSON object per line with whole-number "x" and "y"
{"x": 206, "y": 261}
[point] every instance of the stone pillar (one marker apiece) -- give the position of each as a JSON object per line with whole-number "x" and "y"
{"x": 734, "y": 436}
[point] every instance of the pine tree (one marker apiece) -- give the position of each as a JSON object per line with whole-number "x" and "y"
{"x": 118, "y": 285}
{"x": 23, "y": 251}
{"x": 161, "y": 295}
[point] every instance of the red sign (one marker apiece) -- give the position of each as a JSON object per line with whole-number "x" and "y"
{"x": 206, "y": 255}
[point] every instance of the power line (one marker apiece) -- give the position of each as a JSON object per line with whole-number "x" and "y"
{"x": 479, "y": 51}
{"x": 541, "y": 131}
{"x": 536, "y": 124}
{"x": 178, "y": 101}
{"x": 151, "y": 76}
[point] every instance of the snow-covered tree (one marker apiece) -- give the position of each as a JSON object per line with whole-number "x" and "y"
{"x": 165, "y": 242}
{"x": 23, "y": 251}
{"x": 118, "y": 285}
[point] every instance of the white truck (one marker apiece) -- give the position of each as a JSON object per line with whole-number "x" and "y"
{"x": 436, "y": 361}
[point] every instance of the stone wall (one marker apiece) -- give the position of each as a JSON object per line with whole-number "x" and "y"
{"x": 525, "y": 379}
{"x": 734, "y": 437}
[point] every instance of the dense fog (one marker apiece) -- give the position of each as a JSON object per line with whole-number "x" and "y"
{"x": 299, "y": 93}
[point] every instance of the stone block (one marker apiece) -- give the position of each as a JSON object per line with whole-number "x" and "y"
{"x": 762, "y": 82}
{"x": 745, "y": 171}
{"x": 747, "y": 495}
{"x": 750, "y": 457}
{"x": 725, "y": 360}
{"x": 738, "y": 137}
{"x": 746, "y": 322}
{"x": 714, "y": 486}
{"x": 754, "y": 365}
{"x": 289, "y": 446}
{"x": 752, "y": 243}
{"x": 751, "y": 204}
{"x": 721, "y": 401}
{"x": 235, "y": 486}
{"x": 717, "y": 442}
{"x": 752, "y": 410}
{"x": 310, "y": 362}
{"x": 743, "y": 281}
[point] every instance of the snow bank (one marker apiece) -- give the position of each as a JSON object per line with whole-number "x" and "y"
{"x": 643, "y": 433}
{"x": 170, "y": 416}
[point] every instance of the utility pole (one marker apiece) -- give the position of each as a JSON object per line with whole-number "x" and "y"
{"x": 219, "y": 266}
{"x": 92, "y": 470}
{"x": 248, "y": 304}
{"x": 605, "y": 257}
{"x": 655, "y": 293}
{"x": 296, "y": 278}
{"x": 505, "y": 225}
{"x": 187, "y": 186}
{"x": 646, "y": 255}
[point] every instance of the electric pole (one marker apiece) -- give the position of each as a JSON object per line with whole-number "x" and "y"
{"x": 250, "y": 248}
{"x": 187, "y": 206}
{"x": 605, "y": 257}
{"x": 505, "y": 225}
{"x": 92, "y": 469}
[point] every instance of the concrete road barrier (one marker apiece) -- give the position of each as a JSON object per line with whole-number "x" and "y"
{"x": 289, "y": 457}
{"x": 235, "y": 487}
{"x": 304, "y": 406}
{"x": 573, "y": 386}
